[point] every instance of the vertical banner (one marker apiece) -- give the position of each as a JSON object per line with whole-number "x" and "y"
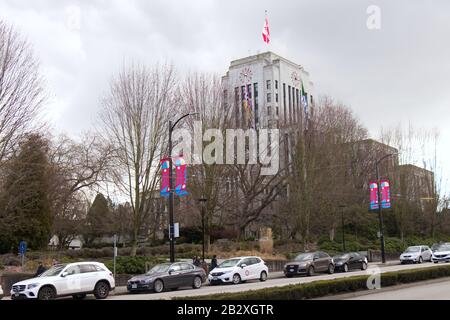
{"x": 180, "y": 183}
{"x": 385, "y": 194}
{"x": 165, "y": 190}
{"x": 373, "y": 186}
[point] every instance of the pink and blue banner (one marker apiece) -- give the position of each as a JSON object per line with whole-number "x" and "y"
{"x": 180, "y": 183}
{"x": 165, "y": 183}
{"x": 385, "y": 190}
{"x": 373, "y": 186}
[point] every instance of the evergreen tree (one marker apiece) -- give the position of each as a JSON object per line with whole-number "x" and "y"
{"x": 24, "y": 200}
{"x": 97, "y": 220}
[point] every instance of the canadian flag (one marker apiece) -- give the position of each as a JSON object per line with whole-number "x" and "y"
{"x": 265, "y": 31}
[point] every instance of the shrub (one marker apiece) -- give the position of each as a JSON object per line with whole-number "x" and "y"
{"x": 132, "y": 265}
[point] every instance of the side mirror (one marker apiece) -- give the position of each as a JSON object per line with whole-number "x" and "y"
{"x": 171, "y": 270}
{"x": 243, "y": 265}
{"x": 315, "y": 258}
{"x": 64, "y": 274}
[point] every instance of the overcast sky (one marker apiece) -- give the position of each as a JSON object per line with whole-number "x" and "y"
{"x": 397, "y": 74}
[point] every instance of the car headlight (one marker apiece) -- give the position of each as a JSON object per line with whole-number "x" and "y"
{"x": 31, "y": 286}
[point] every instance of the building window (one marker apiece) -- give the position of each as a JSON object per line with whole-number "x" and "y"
{"x": 276, "y": 84}
{"x": 294, "y": 111}
{"x": 225, "y": 98}
{"x": 269, "y": 111}
{"x": 277, "y": 111}
{"x": 255, "y": 103}
{"x": 236, "y": 104}
{"x": 284, "y": 102}
{"x": 268, "y": 84}
{"x": 276, "y": 97}
{"x": 290, "y": 104}
{"x": 269, "y": 97}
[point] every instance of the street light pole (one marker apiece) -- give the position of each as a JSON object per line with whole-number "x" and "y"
{"x": 171, "y": 222}
{"x": 343, "y": 228}
{"x": 380, "y": 217}
{"x": 203, "y": 200}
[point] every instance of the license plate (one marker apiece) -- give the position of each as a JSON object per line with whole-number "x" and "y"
{"x": 291, "y": 270}
{"x": 134, "y": 286}
{"x": 16, "y": 294}
{"x": 215, "y": 278}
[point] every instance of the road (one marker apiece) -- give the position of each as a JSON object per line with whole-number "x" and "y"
{"x": 274, "y": 282}
{"x": 436, "y": 290}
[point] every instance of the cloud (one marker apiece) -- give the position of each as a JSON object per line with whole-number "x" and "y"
{"x": 396, "y": 74}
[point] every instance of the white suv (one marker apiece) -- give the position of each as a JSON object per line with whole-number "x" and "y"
{"x": 73, "y": 279}
{"x": 239, "y": 269}
{"x": 1, "y": 292}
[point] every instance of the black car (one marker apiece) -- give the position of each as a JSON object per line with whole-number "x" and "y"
{"x": 168, "y": 276}
{"x": 350, "y": 261}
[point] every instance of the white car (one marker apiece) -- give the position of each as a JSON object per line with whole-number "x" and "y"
{"x": 416, "y": 254}
{"x": 441, "y": 253}
{"x": 236, "y": 270}
{"x": 1, "y": 292}
{"x": 73, "y": 279}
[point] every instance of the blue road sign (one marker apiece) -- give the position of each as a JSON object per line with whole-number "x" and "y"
{"x": 22, "y": 247}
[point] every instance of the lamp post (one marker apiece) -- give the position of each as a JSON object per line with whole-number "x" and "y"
{"x": 343, "y": 230}
{"x": 380, "y": 217}
{"x": 202, "y": 201}
{"x": 171, "y": 223}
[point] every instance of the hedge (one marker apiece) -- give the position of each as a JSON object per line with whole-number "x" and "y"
{"x": 329, "y": 287}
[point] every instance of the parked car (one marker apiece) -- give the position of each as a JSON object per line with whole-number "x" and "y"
{"x": 350, "y": 261}
{"x": 239, "y": 269}
{"x": 73, "y": 279}
{"x": 441, "y": 253}
{"x": 1, "y": 292}
{"x": 309, "y": 263}
{"x": 168, "y": 276}
{"x": 416, "y": 254}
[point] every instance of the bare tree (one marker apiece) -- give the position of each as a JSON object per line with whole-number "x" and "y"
{"x": 21, "y": 92}
{"x": 76, "y": 169}
{"x": 134, "y": 121}
{"x": 204, "y": 94}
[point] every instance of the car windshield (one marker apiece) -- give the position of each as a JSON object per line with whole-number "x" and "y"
{"x": 443, "y": 247}
{"x": 412, "y": 249}
{"x": 159, "y": 268}
{"x": 53, "y": 271}
{"x": 229, "y": 263}
{"x": 304, "y": 257}
{"x": 341, "y": 256}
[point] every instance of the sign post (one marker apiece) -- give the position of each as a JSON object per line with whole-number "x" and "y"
{"x": 22, "y": 250}
{"x": 115, "y": 255}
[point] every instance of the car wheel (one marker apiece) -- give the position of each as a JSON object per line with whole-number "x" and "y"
{"x": 197, "y": 283}
{"x": 47, "y": 293}
{"x": 158, "y": 286}
{"x": 101, "y": 290}
{"x": 330, "y": 268}
{"x": 263, "y": 276}
{"x": 364, "y": 266}
{"x": 420, "y": 260}
{"x": 310, "y": 271}
{"x": 345, "y": 267}
{"x": 79, "y": 296}
{"x": 236, "y": 278}
{"x": 289, "y": 276}
{"x": 435, "y": 262}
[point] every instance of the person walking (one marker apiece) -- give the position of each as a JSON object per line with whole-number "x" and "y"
{"x": 40, "y": 270}
{"x": 213, "y": 262}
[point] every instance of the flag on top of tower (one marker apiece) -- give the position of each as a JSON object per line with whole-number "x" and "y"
{"x": 265, "y": 31}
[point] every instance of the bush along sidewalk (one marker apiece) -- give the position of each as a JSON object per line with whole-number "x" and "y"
{"x": 323, "y": 288}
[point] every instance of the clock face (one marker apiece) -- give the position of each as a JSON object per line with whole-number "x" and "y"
{"x": 245, "y": 76}
{"x": 295, "y": 79}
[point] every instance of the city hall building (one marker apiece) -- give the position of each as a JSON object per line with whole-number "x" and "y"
{"x": 269, "y": 86}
